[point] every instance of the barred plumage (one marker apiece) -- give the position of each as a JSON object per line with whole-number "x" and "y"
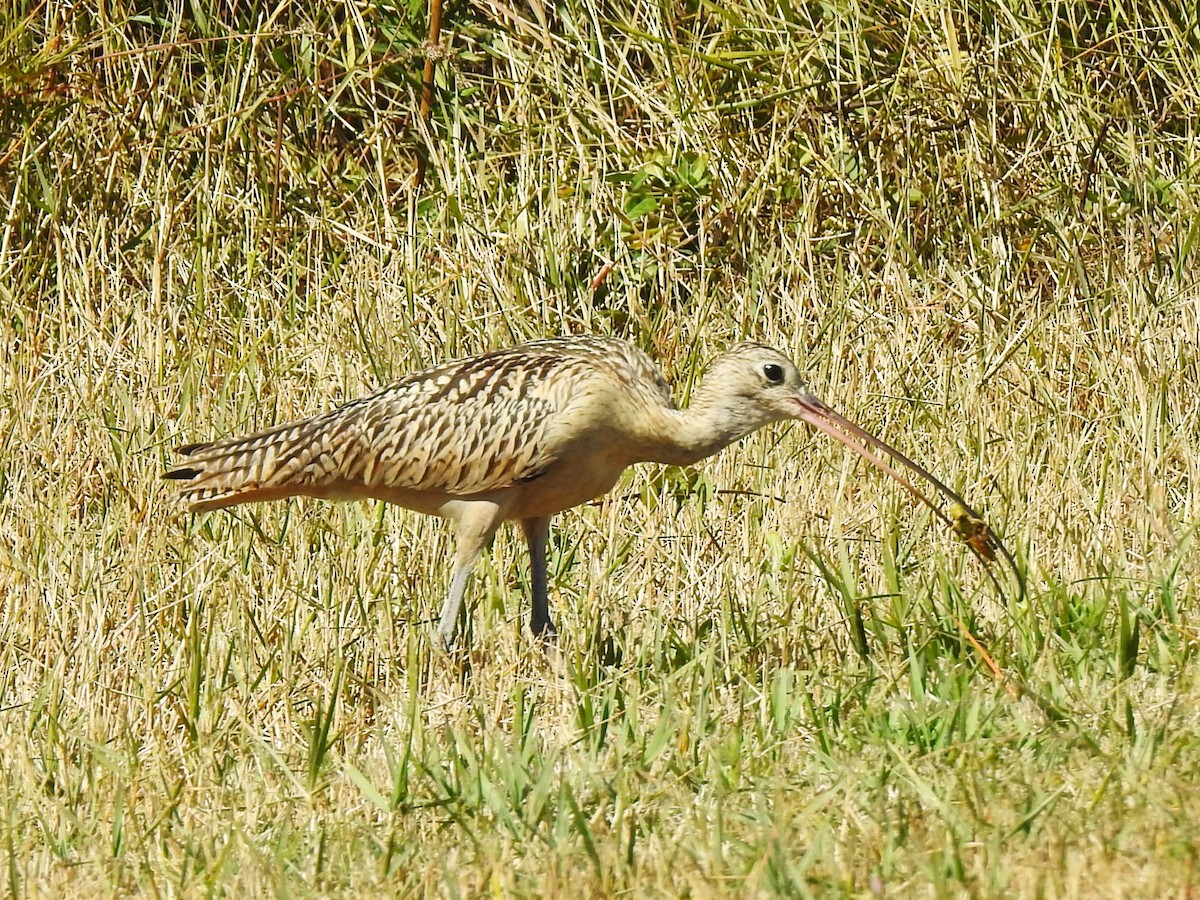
{"x": 521, "y": 433}
{"x": 463, "y": 428}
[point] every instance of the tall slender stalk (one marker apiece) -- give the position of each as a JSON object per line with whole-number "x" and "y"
{"x": 431, "y": 54}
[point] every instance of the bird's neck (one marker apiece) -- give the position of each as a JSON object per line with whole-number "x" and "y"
{"x": 706, "y": 426}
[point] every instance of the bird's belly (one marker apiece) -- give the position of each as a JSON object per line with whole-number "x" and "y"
{"x": 561, "y": 488}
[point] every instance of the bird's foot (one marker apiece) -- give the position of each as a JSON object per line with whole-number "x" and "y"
{"x": 543, "y": 630}
{"x": 545, "y": 638}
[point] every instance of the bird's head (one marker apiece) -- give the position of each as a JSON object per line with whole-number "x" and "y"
{"x": 756, "y": 384}
{"x": 759, "y": 385}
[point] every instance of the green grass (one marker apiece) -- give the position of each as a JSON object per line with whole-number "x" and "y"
{"x": 975, "y": 226}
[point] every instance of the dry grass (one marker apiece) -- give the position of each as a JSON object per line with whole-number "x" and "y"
{"x": 975, "y": 226}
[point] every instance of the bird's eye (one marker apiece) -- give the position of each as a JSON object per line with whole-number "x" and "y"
{"x": 773, "y": 373}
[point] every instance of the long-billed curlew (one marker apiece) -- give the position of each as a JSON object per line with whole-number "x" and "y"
{"x": 521, "y": 433}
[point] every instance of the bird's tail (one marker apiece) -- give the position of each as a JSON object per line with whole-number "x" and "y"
{"x": 268, "y": 465}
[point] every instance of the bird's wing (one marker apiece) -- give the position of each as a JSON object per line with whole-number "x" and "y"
{"x": 462, "y": 428}
{"x": 475, "y": 425}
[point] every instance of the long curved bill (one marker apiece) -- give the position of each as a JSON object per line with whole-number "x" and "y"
{"x": 961, "y": 518}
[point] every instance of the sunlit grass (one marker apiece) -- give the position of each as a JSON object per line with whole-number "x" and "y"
{"x": 974, "y": 228}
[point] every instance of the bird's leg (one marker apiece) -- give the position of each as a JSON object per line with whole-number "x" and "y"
{"x": 476, "y": 525}
{"x": 453, "y": 604}
{"x": 536, "y": 533}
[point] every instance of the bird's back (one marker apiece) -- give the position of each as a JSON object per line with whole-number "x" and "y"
{"x": 463, "y": 428}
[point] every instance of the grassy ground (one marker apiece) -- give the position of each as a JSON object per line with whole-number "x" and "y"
{"x": 973, "y": 224}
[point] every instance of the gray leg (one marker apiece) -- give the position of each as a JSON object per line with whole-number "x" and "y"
{"x": 453, "y": 605}
{"x": 476, "y": 525}
{"x": 536, "y": 533}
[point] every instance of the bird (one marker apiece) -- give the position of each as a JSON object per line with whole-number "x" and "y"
{"x": 521, "y": 433}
